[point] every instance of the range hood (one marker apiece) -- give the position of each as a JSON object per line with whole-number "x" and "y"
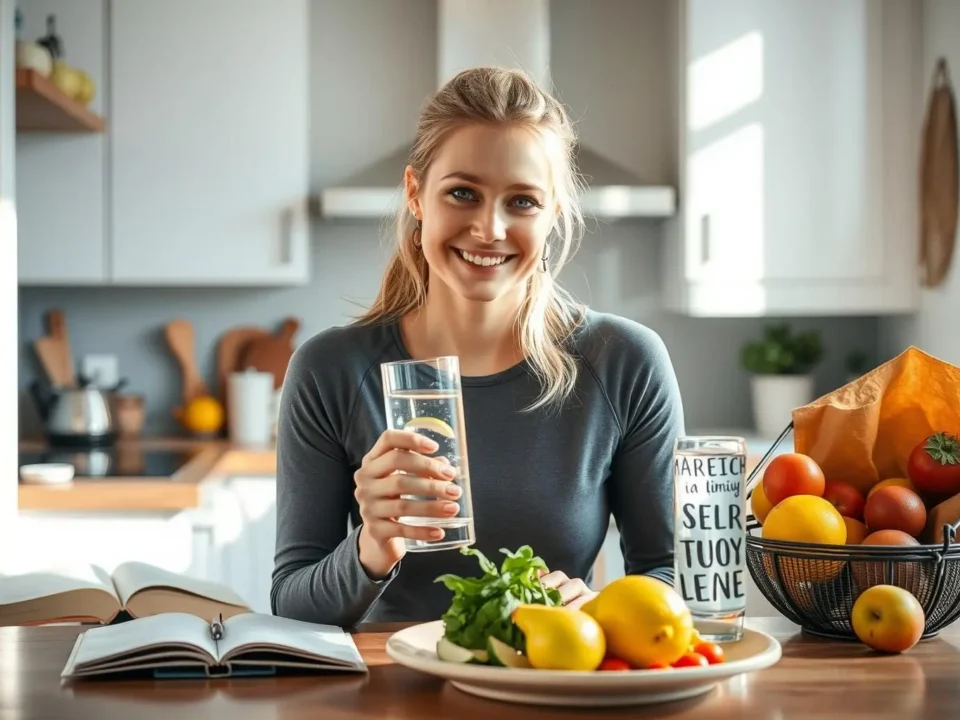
{"x": 507, "y": 33}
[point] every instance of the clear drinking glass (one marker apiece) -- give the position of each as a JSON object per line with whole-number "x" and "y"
{"x": 710, "y": 532}
{"x": 425, "y": 396}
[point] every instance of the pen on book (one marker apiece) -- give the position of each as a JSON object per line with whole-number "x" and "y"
{"x": 216, "y": 626}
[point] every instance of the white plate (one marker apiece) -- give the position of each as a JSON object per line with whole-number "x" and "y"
{"x": 415, "y": 647}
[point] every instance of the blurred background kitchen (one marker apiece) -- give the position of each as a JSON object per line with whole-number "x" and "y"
{"x": 199, "y": 187}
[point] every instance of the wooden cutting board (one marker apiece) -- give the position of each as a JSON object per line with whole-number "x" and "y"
{"x": 939, "y": 187}
{"x": 272, "y": 353}
{"x": 55, "y": 353}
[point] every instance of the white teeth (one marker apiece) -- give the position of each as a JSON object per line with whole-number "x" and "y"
{"x": 482, "y": 261}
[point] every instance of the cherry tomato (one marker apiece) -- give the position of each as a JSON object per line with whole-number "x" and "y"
{"x": 612, "y": 663}
{"x": 657, "y": 666}
{"x": 691, "y": 659}
{"x": 711, "y": 651}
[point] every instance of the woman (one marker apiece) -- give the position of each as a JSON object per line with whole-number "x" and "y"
{"x": 570, "y": 414}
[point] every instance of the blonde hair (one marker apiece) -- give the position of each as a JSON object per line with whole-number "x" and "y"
{"x": 548, "y": 314}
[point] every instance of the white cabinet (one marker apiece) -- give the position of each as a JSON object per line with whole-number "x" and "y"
{"x": 61, "y": 178}
{"x": 209, "y": 133}
{"x": 241, "y": 516}
{"x": 170, "y": 540}
{"x": 797, "y": 159}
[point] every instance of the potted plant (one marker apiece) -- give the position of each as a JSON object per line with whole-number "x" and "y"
{"x": 856, "y": 364}
{"x": 780, "y": 364}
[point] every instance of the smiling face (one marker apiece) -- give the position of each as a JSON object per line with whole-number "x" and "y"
{"x": 487, "y": 206}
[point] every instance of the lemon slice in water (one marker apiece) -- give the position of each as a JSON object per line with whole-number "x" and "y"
{"x": 430, "y": 423}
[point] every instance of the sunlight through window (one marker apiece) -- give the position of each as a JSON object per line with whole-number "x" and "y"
{"x": 725, "y": 81}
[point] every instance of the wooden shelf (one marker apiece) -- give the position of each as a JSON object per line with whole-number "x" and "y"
{"x": 43, "y": 107}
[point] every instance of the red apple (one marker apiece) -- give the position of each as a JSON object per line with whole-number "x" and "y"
{"x": 845, "y": 498}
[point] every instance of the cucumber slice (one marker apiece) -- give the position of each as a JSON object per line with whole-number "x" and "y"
{"x": 505, "y": 656}
{"x": 451, "y": 652}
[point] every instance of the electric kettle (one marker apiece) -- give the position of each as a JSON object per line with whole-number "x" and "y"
{"x": 79, "y": 416}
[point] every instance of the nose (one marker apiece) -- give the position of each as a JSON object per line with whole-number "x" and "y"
{"x": 489, "y": 225}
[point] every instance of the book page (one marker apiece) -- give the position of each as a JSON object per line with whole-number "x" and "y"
{"x": 255, "y": 632}
{"x": 111, "y": 642}
{"x": 53, "y": 581}
{"x": 137, "y": 577}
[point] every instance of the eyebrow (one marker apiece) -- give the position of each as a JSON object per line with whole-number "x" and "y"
{"x": 477, "y": 181}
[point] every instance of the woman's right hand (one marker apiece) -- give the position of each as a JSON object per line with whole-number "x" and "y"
{"x": 396, "y": 466}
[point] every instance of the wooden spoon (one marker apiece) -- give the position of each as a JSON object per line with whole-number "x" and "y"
{"x": 179, "y": 334}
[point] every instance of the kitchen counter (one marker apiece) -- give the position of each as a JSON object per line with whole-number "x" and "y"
{"x": 815, "y": 678}
{"x": 128, "y": 491}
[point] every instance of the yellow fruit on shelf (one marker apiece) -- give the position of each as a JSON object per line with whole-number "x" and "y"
{"x": 560, "y": 638}
{"x": 203, "y": 415}
{"x": 644, "y": 620}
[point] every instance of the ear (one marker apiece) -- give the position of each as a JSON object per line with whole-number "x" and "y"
{"x": 412, "y": 188}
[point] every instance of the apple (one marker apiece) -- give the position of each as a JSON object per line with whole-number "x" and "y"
{"x": 845, "y": 498}
{"x": 888, "y": 619}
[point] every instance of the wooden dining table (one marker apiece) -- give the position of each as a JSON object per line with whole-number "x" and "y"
{"x": 815, "y": 678}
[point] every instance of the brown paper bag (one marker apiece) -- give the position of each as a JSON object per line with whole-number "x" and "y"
{"x": 863, "y": 432}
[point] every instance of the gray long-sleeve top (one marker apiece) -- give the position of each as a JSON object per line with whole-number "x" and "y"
{"x": 545, "y": 479}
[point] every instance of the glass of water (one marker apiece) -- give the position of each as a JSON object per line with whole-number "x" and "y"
{"x": 710, "y": 532}
{"x": 425, "y": 396}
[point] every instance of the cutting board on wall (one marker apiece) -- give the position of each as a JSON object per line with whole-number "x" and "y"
{"x": 233, "y": 345}
{"x": 272, "y": 353}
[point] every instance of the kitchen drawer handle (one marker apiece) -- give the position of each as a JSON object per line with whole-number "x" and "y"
{"x": 704, "y": 239}
{"x": 287, "y": 221}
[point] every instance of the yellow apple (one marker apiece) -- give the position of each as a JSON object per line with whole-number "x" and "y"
{"x": 888, "y": 618}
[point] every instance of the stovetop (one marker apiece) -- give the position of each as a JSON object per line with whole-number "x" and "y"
{"x": 113, "y": 462}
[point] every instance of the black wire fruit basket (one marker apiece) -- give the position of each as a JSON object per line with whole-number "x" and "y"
{"x": 815, "y": 586}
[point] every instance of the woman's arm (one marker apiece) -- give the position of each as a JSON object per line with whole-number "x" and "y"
{"x": 641, "y": 483}
{"x": 317, "y": 574}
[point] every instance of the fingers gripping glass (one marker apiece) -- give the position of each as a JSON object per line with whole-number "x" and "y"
{"x": 425, "y": 396}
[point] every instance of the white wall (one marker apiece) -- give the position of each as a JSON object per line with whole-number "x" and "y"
{"x": 8, "y": 280}
{"x": 933, "y": 329}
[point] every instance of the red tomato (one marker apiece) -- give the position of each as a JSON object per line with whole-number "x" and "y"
{"x": 691, "y": 659}
{"x": 711, "y": 651}
{"x": 656, "y": 666}
{"x": 792, "y": 474}
{"x": 934, "y": 465}
{"x": 612, "y": 663}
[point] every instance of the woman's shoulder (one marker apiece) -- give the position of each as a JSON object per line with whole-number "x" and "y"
{"x": 342, "y": 350}
{"x": 606, "y": 340}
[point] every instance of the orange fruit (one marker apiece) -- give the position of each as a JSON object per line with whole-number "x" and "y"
{"x": 792, "y": 474}
{"x": 805, "y": 519}
{"x": 759, "y": 504}
{"x": 856, "y": 531}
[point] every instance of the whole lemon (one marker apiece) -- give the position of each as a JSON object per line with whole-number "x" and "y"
{"x": 644, "y": 620}
{"x": 805, "y": 519}
{"x": 203, "y": 415}
{"x": 560, "y": 638}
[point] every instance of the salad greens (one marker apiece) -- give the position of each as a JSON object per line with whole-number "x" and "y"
{"x": 481, "y": 607}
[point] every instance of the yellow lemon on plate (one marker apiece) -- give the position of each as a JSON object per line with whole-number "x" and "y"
{"x": 560, "y": 638}
{"x": 203, "y": 415}
{"x": 644, "y": 620}
{"x": 430, "y": 423}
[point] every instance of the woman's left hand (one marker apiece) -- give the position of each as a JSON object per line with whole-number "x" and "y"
{"x": 574, "y": 592}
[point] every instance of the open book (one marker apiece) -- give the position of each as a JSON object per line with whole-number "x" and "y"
{"x": 181, "y": 645}
{"x": 89, "y": 594}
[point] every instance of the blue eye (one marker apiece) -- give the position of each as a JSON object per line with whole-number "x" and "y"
{"x": 529, "y": 203}
{"x": 462, "y": 194}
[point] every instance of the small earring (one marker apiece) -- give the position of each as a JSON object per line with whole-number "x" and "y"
{"x": 417, "y": 242}
{"x": 543, "y": 260}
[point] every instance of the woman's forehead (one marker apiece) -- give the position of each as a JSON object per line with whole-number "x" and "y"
{"x": 494, "y": 155}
